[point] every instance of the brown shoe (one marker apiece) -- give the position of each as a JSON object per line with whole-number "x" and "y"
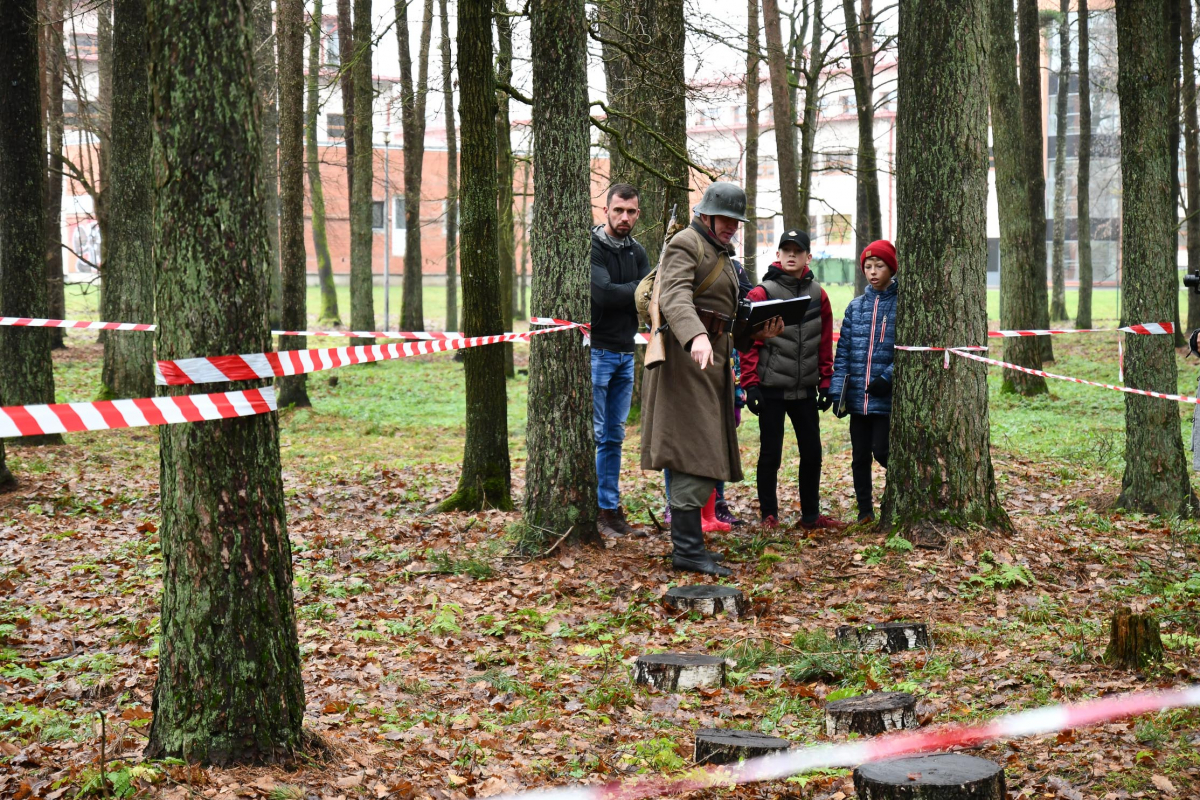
{"x": 611, "y": 524}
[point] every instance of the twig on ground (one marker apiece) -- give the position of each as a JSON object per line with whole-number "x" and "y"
{"x": 560, "y": 541}
{"x": 654, "y": 519}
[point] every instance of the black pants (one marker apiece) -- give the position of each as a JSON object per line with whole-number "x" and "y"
{"x": 807, "y": 425}
{"x": 868, "y": 437}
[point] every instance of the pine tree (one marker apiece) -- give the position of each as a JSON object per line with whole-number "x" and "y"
{"x": 560, "y": 483}
{"x": 485, "y": 479}
{"x": 1156, "y": 479}
{"x": 129, "y": 269}
{"x": 229, "y": 686}
{"x": 26, "y": 368}
{"x": 1018, "y": 287}
{"x": 293, "y": 261}
{"x": 940, "y": 470}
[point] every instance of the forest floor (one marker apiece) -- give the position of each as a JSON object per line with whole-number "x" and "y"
{"x": 439, "y": 664}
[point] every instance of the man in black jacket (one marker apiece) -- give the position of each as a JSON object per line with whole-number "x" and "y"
{"x": 618, "y": 264}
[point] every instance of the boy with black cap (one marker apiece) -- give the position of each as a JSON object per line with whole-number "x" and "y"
{"x": 788, "y": 376}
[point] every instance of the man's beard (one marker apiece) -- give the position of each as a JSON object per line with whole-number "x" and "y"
{"x": 623, "y": 229}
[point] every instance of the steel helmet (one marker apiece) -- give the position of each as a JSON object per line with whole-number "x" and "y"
{"x": 724, "y": 199}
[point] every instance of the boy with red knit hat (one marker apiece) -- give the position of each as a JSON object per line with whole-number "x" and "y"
{"x": 862, "y": 370}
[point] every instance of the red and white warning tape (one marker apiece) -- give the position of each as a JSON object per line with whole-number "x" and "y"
{"x": 1146, "y": 328}
{"x": 186, "y": 371}
{"x": 1036, "y": 722}
{"x": 1179, "y": 398}
{"x": 32, "y": 322}
{"x": 107, "y": 414}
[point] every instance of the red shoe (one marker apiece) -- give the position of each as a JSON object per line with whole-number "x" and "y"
{"x": 823, "y": 522}
{"x": 770, "y": 523}
{"x": 708, "y": 516}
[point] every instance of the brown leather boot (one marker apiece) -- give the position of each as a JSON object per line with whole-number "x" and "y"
{"x": 611, "y": 523}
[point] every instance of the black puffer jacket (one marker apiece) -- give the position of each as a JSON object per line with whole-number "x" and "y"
{"x": 616, "y": 272}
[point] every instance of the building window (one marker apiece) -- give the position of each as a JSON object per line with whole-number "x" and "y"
{"x": 836, "y": 228}
{"x": 333, "y": 50}
{"x": 76, "y": 114}
{"x": 85, "y": 44}
{"x": 766, "y": 233}
{"x": 335, "y": 126}
{"x": 766, "y": 172}
{"x": 399, "y": 222}
{"x": 377, "y": 214}
{"x": 840, "y": 161}
{"x": 727, "y": 168}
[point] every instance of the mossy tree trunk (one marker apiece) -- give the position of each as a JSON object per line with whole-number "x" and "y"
{"x": 1058, "y": 291}
{"x": 412, "y": 118}
{"x": 1034, "y": 159}
{"x": 266, "y": 81}
{"x": 1018, "y": 287}
{"x": 485, "y": 481}
{"x": 1175, "y": 39}
{"x": 504, "y": 177}
{"x": 129, "y": 269}
{"x": 560, "y": 482}
{"x": 329, "y": 315}
{"x": 794, "y": 214}
{"x": 817, "y": 53}
{"x": 451, "y": 176}
{"x": 753, "y": 59}
{"x": 346, "y": 51}
{"x": 362, "y": 281}
{"x": 1191, "y": 150}
{"x": 1156, "y": 478}
{"x": 293, "y": 261}
{"x": 54, "y": 58}
{"x": 1083, "y": 312}
{"x": 26, "y": 368}
{"x": 868, "y": 226}
{"x": 229, "y": 686}
{"x": 941, "y": 467}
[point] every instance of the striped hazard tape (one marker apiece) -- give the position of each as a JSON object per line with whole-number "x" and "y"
{"x": 214, "y": 369}
{"x": 1035, "y": 722}
{"x": 109, "y": 414}
{"x": 33, "y": 322}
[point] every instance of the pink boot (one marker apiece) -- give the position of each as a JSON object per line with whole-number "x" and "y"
{"x": 708, "y": 516}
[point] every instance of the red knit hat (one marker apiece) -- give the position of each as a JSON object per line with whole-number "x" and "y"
{"x": 884, "y": 250}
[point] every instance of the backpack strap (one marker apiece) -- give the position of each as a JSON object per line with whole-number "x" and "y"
{"x": 713, "y": 273}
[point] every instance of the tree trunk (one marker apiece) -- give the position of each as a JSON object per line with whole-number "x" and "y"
{"x": 504, "y": 177}
{"x": 1018, "y": 286}
{"x": 1058, "y": 294}
{"x": 26, "y": 368}
{"x": 346, "y": 57}
{"x": 329, "y": 315}
{"x": 293, "y": 389}
{"x": 869, "y": 223}
{"x": 1134, "y": 640}
{"x": 750, "y": 250}
{"x": 808, "y": 138}
{"x": 521, "y": 310}
{"x": 1191, "y": 150}
{"x": 560, "y": 475}
{"x": 941, "y": 467}
{"x": 1034, "y": 159}
{"x": 362, "y": 281}
{"x": 129, "y": 269}
{"x": 229, "y": 686}
{"x": 55, "y": 59}
{"x": 1156, "y": 478}
{"x": 486, "y": 479}
{"x": 101, "y": 128}
{"x": 1175, "y": 39}
{"x": 1083, "y": 313}
{"x": 794, "y": 212}
{"x": 451, "y": 178}
{"x": 412, "y": 117}
{"x": 266, "y": 81}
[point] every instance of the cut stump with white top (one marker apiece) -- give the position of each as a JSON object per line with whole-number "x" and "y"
{"x": 887, "y": 637}
{"x": 943, "y": 776}
{"x": 871, "y": 714}
{"x": 707, "y": 600}
{"x": 720, "y": 746}
{"x": 679, "y": 672}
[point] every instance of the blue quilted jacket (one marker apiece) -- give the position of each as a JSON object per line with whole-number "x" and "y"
{"x": 866, "y": 348}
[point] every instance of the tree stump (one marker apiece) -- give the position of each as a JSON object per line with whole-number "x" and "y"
{"x": 944, "y": 776}
{"x": 678, "y": 672}
{"x": 707, "y": 600}
{"x": 871, "y": 714}
{"x": 1134, "y": 640}
{"x": 889, "y": 637}
{"x": 717, "y": 746}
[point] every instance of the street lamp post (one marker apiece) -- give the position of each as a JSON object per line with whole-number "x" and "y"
{"x": 387, "y": 227}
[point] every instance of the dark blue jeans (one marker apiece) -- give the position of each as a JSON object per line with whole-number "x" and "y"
{"x": 612, "y": 391}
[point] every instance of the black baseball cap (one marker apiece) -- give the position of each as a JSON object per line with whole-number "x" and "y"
{"x": 797, "y": 237}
